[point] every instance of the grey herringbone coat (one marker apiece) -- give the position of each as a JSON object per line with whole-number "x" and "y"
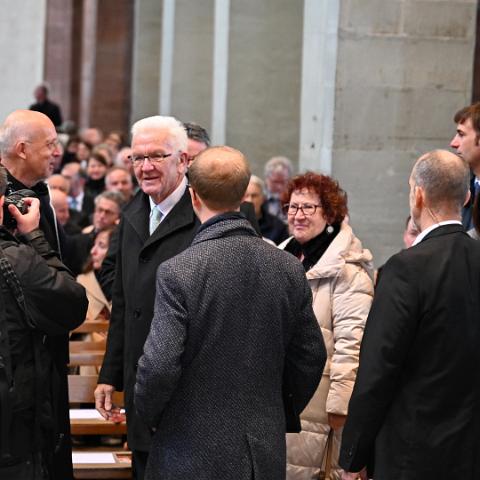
{"x": 233, "y": 325}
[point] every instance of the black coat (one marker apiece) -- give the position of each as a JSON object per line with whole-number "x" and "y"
{"x": 56, "y": 304}
{"x": 138, "y": 257}
{"x": 233, "y": 319}
{"x": 416, "y": 401}
{"x": 57, "y": 344}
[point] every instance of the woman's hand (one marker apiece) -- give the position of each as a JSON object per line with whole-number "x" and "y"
{"x": 336, "y": 421}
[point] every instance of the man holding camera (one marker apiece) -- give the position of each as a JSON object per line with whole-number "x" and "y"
{"x": 29, "y": 147}
{"x": 39, "y": 297}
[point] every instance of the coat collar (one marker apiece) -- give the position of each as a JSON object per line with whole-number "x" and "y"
{"x": 444, "y": 230}
{"x": 345, "y": 248}
{"x": 138, "y": 211}
{"x": 225, "y": 225}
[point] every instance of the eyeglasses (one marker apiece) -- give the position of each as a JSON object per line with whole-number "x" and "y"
{"x": 153, "y": 158}
{"x": 307, "y": 209}
{"x": 52, "y": 145}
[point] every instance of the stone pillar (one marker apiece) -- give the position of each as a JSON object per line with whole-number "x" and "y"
{"x": 404, "y": 68}
{"x": 58, "y": 53}
{"x": 22, "y": 43}
{"x": 264, "y": 79}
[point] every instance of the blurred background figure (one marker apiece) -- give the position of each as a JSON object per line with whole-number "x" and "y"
{"x": 58, "y": 182}
{"x": 99, "y": 307}
{"x": 106, "y": 214}
{"x": 97, "y": 167}
{"x": 118, "y": 179}
{"x": 271, "y": 227}
{"x": 92, "y": 136}
{"x": 44, "y": 105}
{"x": 410, "y": 233}
{"x": 340, "y": 274}
{"x": 278, "y": 171}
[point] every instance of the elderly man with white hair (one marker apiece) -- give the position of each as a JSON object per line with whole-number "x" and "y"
{"x": 157, "y": 224}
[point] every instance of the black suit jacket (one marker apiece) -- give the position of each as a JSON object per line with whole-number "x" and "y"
{"x": 416, "y": 401}
{"x": 137, "y": 260}
{"x": 233, "y": 319}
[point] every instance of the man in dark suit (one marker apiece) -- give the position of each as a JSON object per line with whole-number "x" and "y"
{"x": 46, "y": 106}
{"x": 466, "y": 143}
{"x": 415, "y": 408}
{"x": 233, "y": 328}
{"x": 158, "y": 223}
{"x": 29, "y": 148}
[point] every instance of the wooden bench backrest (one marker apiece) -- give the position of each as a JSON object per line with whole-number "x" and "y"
{"x": 81, "y": 388}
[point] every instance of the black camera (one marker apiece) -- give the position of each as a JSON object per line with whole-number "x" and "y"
{"x": 17, "y": 198}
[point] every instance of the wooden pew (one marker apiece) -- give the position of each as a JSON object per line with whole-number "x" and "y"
{"x": 87, "y": 353}
{"x": 81, "y": 389}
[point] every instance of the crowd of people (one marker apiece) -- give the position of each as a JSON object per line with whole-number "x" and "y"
{"x": 248, "y": 330}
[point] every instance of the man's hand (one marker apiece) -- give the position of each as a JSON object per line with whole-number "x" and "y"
{"x": 29, "y": 221}
{"x": 336, "y": 421}
{"x": 103, "y": 401}
{"x": 362, "y": 475}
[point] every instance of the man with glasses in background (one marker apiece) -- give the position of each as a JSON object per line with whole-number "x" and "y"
{"x": 29, "y": 148}
{"x": 156, "y": 225}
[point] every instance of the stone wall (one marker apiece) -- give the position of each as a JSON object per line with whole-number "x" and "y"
{"x": 22, "y": 46}
{"x": 404, "y": 68}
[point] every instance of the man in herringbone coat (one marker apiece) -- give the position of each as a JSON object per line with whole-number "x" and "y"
{"x": 233, "y": 342}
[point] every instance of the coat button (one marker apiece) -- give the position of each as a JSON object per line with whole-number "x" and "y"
{"x": 136, "y": 312}
{"x": 144, "y": 259}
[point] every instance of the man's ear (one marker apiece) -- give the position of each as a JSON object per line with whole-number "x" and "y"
{"x": 19, "y": 149}
{"x": 467, "y": 197}
{"x": 196, "y": 202}
{"x": 419, "y": 193}
{"x": 183, "y": 161}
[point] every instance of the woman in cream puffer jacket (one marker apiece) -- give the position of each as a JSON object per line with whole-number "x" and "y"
{"x": 341, "y": 280}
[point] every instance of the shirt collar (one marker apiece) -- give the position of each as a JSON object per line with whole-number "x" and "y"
{"x": 168, "y": 203}
{"x": 422, "y": 235}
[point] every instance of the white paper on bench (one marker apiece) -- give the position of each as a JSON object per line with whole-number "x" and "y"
{"x": 93, "y": 457}
{"x": 84, "y": 413}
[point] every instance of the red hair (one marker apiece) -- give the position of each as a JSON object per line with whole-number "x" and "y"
{"x": 332, "y": 198}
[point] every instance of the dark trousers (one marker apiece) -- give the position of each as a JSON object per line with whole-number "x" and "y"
{"x": 29, "y": 469}
{"x": 139, "y": 463}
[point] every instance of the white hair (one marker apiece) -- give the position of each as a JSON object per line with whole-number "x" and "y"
{"x": 278, "y": 164}
{"x": 9, "y": 136}
{"x": 258, "y": 181}
{"x": 176, "y": 130}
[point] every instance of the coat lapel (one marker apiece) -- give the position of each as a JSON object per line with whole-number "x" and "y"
{"x": 181, "y": 215}
{"x": 137, "y": 214}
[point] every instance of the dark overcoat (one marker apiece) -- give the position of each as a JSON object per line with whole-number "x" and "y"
{"x": 233, "y": 320}
{"x": 416, "y": 401}
{"x": 138, "y": 256}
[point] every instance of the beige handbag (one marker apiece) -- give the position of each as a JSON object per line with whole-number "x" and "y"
{"x": 326, "y": 465}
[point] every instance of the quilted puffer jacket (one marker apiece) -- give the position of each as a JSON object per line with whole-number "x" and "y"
{"x": 342, "y": 288}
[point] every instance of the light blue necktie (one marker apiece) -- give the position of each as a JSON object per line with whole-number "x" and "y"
{"x": 155, "y": 219}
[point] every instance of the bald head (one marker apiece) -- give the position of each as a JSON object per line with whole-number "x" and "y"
{"x": 59, "y": 201}
{"x": 29, "y": 146}
{"x": 220, "y": 176}
{"x": 445, "y": 179}
{"x": 23, "y": 125}
{"x": 59, "y": 182}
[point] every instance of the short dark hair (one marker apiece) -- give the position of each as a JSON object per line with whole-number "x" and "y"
{"x": 471, "y": 112}
{"x": 197, "y": 133}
